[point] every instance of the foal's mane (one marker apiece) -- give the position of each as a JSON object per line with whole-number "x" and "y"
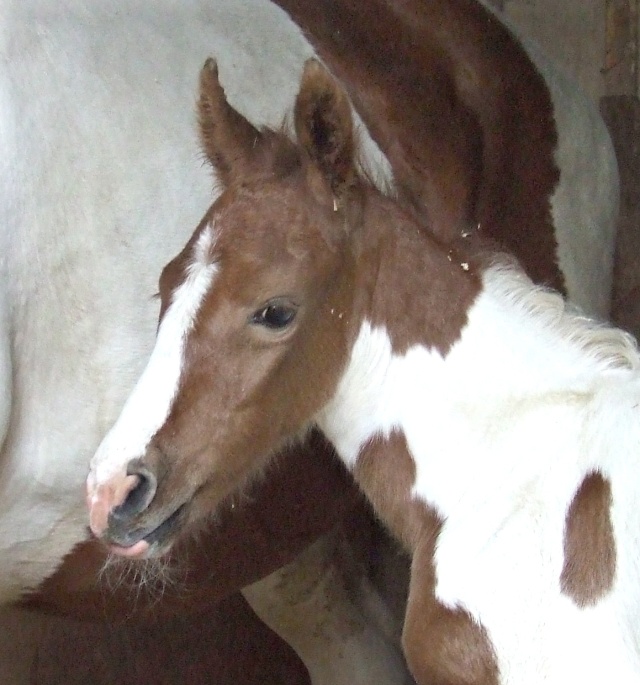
{"x": 607, "y": 346}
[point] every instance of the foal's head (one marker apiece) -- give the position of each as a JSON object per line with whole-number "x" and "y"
{"x": 254, "y": 322}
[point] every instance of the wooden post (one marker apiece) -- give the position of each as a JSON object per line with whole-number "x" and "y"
{"x": 498, "y": 4}
{"x": 621, "y": 110}
{"x": 621, "y": 47}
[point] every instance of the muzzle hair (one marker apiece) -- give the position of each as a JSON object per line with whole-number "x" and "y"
{"x": 144, "y": 578}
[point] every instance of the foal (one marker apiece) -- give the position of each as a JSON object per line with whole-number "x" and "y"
{"x": 493, "y": 429}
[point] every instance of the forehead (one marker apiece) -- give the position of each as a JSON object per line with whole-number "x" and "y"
{"x": 271, "y": 231}
{"x": 270, "y": 221}
{"x": 273, "y": 226}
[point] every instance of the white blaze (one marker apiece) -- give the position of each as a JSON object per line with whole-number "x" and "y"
{"x": 149, "y": 404}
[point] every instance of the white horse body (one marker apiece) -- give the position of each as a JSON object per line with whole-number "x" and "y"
{"x": 503, "y": 430}
{"x": 100, "y": 180}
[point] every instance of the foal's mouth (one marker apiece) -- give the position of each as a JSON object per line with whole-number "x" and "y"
{"x": 145, "y": 541}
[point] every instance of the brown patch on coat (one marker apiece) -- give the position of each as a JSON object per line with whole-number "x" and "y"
{"x": 589, "y": 543}
{"x": 421, "y": 290}
{"x": 386, "y": 472}
{"x": 443, "y": 646}
{"x": 459, "y": 109}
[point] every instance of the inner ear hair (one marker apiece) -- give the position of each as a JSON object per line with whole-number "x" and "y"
{"x": 324, "y": 127}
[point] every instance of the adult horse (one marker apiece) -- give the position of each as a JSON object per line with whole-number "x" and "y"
{"x": 81, "y": 246}
{"x": 95, "y": 102}
{"x": 493, "y": 428}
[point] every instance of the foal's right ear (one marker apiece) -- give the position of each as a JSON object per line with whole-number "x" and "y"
{"x": 228, "y": 139}
{"x": 324, "y": 127}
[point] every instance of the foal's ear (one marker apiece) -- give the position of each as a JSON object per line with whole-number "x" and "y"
{"x": 228, "y": 139}
{"x": 324, "y": 126}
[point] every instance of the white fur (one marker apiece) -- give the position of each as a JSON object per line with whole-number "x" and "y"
{"x": 151, "y": 400}
{"x": 530, "y": 400}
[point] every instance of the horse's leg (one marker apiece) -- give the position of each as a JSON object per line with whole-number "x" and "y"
{"x": 443, "y": 646}
{"x": 337, "y": 624}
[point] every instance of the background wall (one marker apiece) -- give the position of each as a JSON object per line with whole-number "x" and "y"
{"x": 571, "y": 32}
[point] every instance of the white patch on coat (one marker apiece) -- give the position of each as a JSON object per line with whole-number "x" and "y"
{"x": 149, "y": 404}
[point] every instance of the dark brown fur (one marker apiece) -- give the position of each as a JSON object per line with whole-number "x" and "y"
{"x": 589, "y": 543}
{"x": 459, "y": 109}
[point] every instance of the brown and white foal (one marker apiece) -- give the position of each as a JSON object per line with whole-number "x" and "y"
{"x": 495, "y": 431}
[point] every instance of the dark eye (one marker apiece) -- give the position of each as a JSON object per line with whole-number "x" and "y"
{"x": 275, "y": 315}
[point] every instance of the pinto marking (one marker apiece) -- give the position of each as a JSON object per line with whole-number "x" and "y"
{"x": 477, "y": 422}
{"x": 589, "y": 567}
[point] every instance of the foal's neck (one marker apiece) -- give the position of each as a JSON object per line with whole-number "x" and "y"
{"x": 415, "y": 288}
{"x": 442, "y": 337}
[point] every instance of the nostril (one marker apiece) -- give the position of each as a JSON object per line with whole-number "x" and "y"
{"x": 140, "y": 495}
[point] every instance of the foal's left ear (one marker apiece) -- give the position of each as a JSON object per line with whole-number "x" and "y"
{"x": 229, "y": 140}
{"x": 324, "y": 126}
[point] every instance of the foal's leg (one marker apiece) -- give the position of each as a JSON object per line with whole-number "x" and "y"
{"x": 443, "y": 646}
{"x": 336, "y": 623}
